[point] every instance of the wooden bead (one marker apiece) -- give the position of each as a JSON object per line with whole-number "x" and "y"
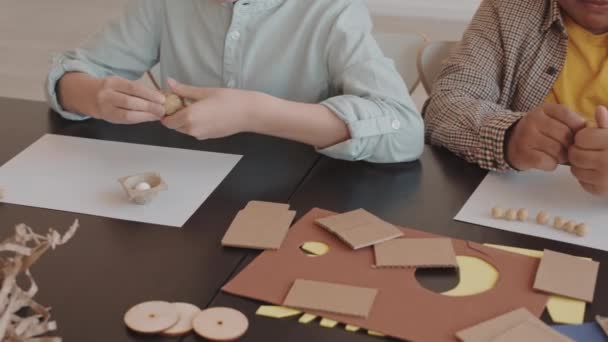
{"x": 569, "y": 227}
{"x": 558, "y": 223}
{"x": 542, "y": 218}
{"x": 511, "y": 215}
{"x": 522, "y": 214}
{"x": 498, "y": 213}
{"x": 581, "y": 229}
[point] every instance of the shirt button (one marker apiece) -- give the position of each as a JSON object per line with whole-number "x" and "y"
{"x": 396, "y": 124}
{"x": 231, "y": 84}
{"x": 235, "y": 35}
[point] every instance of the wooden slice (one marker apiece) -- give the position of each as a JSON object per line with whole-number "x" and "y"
{"x": 186, "y": 314}
{"x": 151, "y": 317}
{"x": 220, "y": 324}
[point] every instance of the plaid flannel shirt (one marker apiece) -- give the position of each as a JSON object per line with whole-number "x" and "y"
{"x": 505, "y": 66}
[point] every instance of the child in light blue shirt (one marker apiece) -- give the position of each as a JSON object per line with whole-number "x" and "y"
{"x": 305, "y": 70}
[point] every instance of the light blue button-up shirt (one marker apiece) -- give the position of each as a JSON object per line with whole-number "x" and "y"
{"x": 312, "y": 51}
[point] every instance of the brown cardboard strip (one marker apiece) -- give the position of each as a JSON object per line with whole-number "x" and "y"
{"x": 259, "y": 226}
{"x": 603, "y": 322}
{"x": 567, "y": 275}
{"x": 360, "y": 228}
{"x": 331, "y": 297}
{"x": 510, "y": 325}
{"x": 421, "y": 253}
{"x": 531, "y": 331}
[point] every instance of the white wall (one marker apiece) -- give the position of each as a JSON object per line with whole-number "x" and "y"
{"x": 438, "y": 9}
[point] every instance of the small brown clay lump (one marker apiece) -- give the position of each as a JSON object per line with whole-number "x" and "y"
{"x": 498, "y": 213}
{"x": 581, "y": 229}
{"x": 522, "y": 214}
{"x": 542, "y": 218}
{"x": 511, "y": 214}
{"x": 173, "y": 103}
{"x": 558, "y": 223}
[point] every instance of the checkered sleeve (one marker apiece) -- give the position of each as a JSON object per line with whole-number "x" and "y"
{"x": 463, "y": 113}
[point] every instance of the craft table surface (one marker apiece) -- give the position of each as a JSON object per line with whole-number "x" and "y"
{"x": 425, "y": 195}
{"x": 110, "y": 264}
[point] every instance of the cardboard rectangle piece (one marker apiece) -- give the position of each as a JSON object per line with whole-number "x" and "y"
{"x": 359, "y": 228}
{"x": 511, "y": 324}
{"x": 603, "y": 322}
{"x": 421, "y": 253}
{"x": 259, "y": 227}
{"x": 531, "y": 331}
{"x": 567, "y": 275}
{"x": 331, "y": 297}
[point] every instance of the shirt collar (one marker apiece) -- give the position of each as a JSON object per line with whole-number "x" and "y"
{"x": 553, "y": 16}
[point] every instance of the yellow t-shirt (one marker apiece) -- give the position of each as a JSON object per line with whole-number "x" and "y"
{"x": 582, "y": 84}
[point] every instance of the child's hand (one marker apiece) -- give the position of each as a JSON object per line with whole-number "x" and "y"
{"x": 214, "y": 113}
{"x": 122, "y": 101}
{"x": 589, "y": 155}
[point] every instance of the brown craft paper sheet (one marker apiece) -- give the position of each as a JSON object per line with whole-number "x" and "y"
{"x": 359, "y": 228}
{"x": 267, "y": 206}
{"x": 507, "y": 326}
{"x": 421, "y": 253}
{"x": 330, "y": 297}
{"x": 603, "y": 322}
{"x": 403, "y": 308}
{"x": 567, "y": 275}
{"x": 259, "y": 227}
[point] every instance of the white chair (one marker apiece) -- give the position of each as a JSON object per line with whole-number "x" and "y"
{"x": 430, "y": 60}
{"x": 403, "y": 49}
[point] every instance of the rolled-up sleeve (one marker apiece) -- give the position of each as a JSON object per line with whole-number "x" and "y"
{"x": 373, "y": 100}
{"x": 126, "y": 47}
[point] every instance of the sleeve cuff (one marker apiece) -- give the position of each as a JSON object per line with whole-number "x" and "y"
{"x": 492, "y": 139}
{"x": 63, "y": 64}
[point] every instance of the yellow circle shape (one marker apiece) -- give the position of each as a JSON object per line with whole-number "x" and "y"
{"x": 476, "y": 276}
{"x": 314, "y": 249}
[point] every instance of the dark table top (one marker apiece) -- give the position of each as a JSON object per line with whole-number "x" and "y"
{"x": 424, "y": 195}
{"x": 111, "y": 264}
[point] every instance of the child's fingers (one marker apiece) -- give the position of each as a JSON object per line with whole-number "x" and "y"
{"x": 189, "y": 92}
{"x": 601, "y": 116}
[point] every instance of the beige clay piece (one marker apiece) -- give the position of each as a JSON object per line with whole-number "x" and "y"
{"x": 151, "y": 317}
{"x": 173, "y": 103}
{"x": 558, "y": 222}
{"x": 220, "y": 324}
{"x": 522, "y": 214}
{"x": 542, "y": 218}
{"x": 511, "y": 215}
{"x": 569, "y": 227}
{"x": 186, "y": 313}
{"x": 581, "y": 229}
{"x": 131, "y": 183}
{"x": 498, "y": 213}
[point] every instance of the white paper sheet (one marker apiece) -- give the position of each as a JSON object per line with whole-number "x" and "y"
{"x": 557, "y": 193}
{"x": 81, "y": 175}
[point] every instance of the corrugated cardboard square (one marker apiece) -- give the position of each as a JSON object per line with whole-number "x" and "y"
{"x": 331, "y": 297}
{"x": 531, "y": 331}
{"x": 421, "y": 253}
{"x": 603, "y": 322}
{"x": 359, "y": 228}
{"x": 491, "y": 329}
{"x": 567, "y": 275}
{"x": 259, "y": 227}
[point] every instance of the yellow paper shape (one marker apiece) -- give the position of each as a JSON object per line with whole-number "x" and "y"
{"x": 566, "y": 310}
{"x": 561, "y": 309}
{"x": 476, "y": 276}
{"x": 314, "y": 248}
{"x": 276, "y": 311}
{"x": 375, "y": 333}
{"x": 307, "y": 318}
{"x": 351, "y": 328}
{"x": 328, "y": 323}
{"x": 523, "y": 251}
